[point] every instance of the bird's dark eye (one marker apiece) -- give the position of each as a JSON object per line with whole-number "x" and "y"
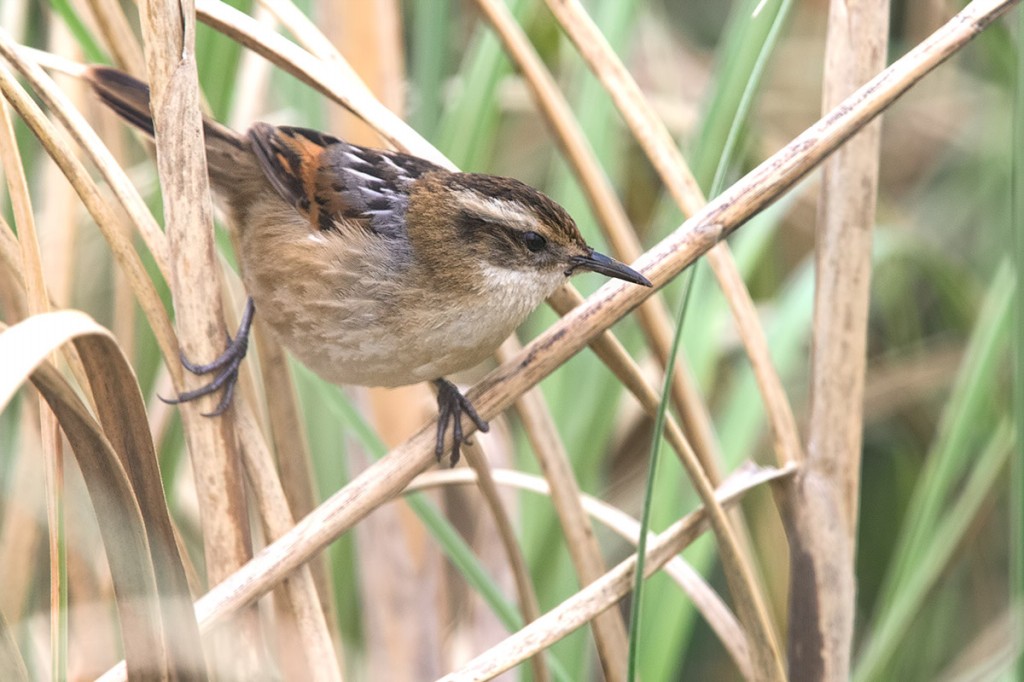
{"x": 533, "y": 241}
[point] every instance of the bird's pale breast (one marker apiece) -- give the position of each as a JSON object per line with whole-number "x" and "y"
{"x": 359, "y": 314}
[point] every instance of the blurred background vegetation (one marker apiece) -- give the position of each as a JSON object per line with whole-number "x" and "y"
{"x": 933, "y": 557}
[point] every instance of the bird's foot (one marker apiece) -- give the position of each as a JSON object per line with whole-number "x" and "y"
{"x": 450, "y": 406}
{"x": 224, "y": 368}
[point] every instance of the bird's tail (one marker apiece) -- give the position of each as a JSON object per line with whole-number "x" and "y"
{"x": 228, "y": 153}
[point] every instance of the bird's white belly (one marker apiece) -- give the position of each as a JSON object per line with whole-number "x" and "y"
{"x": 386, "y": 355}
{"x": 352, "y": 320}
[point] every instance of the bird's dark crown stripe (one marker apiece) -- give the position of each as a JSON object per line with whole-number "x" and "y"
{"x": 521, "y": 195}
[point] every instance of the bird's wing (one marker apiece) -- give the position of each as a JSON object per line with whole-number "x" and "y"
{"x": 331, "y": 181}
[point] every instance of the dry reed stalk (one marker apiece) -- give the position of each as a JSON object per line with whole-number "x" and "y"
{"x": 855, "y": 49}
{"x": 584, "y": 605}
{"x": 12, "y": 276}
{"x": 717, "y": 614}
{"x": 727, "y": 218}
{"x": 58, "y": 215}
{"x": 168, "y": 29}
{"x": 609, "y": 629}
{"x": 38, "y": 302}
{"x": 369, "y": 34}
{"x": 352, "y": 95}
{"x": 652, "y": 135}
{"x": 247, "y": 103}
{"x": 82, "y": 133}
{"x": 526, "y": 597}
{"x": 99, "y": 153}
{"x": 820, "y": 503}
{"x": 614, "y": 355}
{"x": 283, "y": 487}
{"x": 58, "y": 145}
{"x": 20, "y": 532}
{"x": 118, "y": 36}
{"x": 300, "y": 615}
{"x": 294, "y": 618}
{"x": 335, "y": 79}
{"x": 405, "y": 630}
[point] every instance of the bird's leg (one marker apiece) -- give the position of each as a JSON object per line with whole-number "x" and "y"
{"x": 224, "y": 367}
{"x": 450, "y": 406}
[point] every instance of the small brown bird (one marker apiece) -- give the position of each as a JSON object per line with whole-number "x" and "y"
{"x": 373, "y": 267}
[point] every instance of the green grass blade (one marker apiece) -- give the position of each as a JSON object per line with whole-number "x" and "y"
{"x": 968, "y": 415}
{"x": 652, "y": 475}
{"x": 729, "y": 145}
{"x": 888, "y": 634}
{"x": 466, "y": 134}
{"x": 93, "y": 52}
{"x": 1016, "y": 540}
{"x": 430, "y": 26}
{"x": 750, "y": 31}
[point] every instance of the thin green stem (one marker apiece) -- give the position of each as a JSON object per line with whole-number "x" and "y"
{"x": 725, "y": 159}
{"x": 1016, "y": 539}
{"x": 652, "y": 476}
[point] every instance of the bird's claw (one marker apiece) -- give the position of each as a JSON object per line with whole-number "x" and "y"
{"x": 224, "y": 368}
{"x": 451, "y": 404}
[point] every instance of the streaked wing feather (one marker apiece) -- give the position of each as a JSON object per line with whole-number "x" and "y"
{"x": 330, "y": 181}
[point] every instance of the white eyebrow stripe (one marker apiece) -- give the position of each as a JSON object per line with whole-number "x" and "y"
{"x": 496, "y": 210}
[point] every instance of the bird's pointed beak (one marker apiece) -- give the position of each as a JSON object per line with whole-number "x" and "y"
{"x": 598, "y": 262}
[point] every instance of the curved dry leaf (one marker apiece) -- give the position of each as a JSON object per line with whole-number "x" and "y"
{"x": 118, "y": 464}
